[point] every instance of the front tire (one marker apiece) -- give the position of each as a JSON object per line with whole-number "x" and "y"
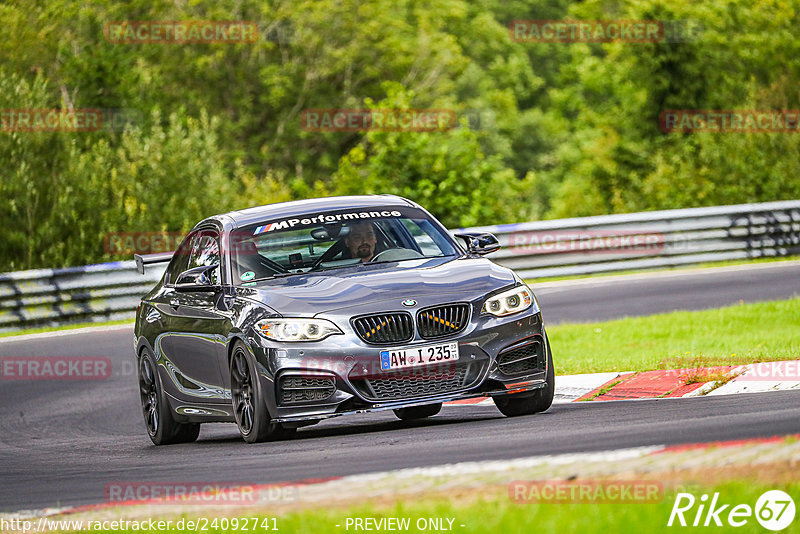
{"x": 161, "y": 425}
{"x": 249, "y": 406}
{"x": 533, "y": 402}
{"x": 418, "y": 412}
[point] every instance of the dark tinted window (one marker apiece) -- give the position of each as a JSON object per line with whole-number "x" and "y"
{"x": 198, "y": 249}
{"x": 180, "y": 259}
{"x": 335, "y": 239}
{"x": 205, "y": 251}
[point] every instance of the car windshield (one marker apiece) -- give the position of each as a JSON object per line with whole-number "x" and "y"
{"x": 331, "y": 240}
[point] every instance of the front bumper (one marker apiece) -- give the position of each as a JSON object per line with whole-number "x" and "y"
{"x": 346, "y": 367}
{"x": 530, "y": 385}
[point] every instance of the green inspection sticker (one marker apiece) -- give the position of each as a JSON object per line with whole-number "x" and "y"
{"x": 247, "y": 275}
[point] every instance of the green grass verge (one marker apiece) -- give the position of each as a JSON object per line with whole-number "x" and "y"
{"x": 704, "y": 265}
{"x": 44, "y": 329}
{"x": 734, "y": 335}
{"x": 497, "y": 513}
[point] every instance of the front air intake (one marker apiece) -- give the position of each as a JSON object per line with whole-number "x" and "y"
{"x": 522, "y": 359}
{"x": 442, "y": 321}
{"x": 299, "y": 389}
{"x": 384, "y": 328}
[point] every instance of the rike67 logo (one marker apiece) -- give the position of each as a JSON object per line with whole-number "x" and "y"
{"x": 774, "y": 510}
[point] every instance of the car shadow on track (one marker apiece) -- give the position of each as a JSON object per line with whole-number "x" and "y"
{"x": 220, "y": 434}
{"x": 344, "y": 428}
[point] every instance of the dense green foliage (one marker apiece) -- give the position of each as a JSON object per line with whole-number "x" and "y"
{"x": 546, "y": 130}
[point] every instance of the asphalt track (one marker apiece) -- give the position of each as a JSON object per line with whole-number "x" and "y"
{"x": 612, "y": 297}
{"x": 62, "y": 442}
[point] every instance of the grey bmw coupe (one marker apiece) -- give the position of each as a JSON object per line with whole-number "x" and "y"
{"x": 280, "y": 316}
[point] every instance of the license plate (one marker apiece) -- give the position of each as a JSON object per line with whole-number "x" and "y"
{"x": 418, "y": 356}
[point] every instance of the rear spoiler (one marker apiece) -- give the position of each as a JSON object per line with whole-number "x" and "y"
{"x": 147, "y": 259}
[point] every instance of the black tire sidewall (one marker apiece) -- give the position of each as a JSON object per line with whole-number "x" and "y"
{"x": 263, "y": 427}
{"x": 549, "y": 391}
{"x": 168, "y": 430}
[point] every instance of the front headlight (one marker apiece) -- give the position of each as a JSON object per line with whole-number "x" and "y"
{"x": 509, "y": 302}
{"x": 297, "y": 329}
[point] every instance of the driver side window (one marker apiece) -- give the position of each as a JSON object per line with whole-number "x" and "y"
{"x": 205, "y": 251}
{"x": 180, "y": 259}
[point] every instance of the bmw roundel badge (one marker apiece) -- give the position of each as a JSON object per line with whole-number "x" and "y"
{"x": 409, "y": 302}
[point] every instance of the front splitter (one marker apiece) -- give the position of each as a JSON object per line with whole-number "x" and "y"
{"x": 393, "y": 405}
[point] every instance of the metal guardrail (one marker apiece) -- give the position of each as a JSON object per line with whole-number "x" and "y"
{"x": 93, "y": 293}
{"x": 647, "y": 240}
{"x": 586, "y": 245}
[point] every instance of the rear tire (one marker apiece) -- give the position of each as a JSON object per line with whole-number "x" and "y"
{"x": 532, "y": 402}
{"x": 418, "y": 412}
{"x": 247, "y": 396}
{"x": 158, "y": 419}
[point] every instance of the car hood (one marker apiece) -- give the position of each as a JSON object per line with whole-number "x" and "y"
{"x": 309, "y": 294}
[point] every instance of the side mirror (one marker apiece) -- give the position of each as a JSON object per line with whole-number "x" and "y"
{"x": 480, "y": 243}
{"x": 196, "y": 279}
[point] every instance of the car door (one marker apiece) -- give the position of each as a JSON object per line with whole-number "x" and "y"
{"x": 195, "y": 328}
